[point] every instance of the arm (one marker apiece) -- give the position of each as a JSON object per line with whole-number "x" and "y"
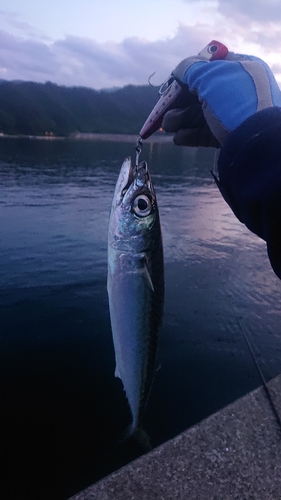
{"x": 237, "y": 109}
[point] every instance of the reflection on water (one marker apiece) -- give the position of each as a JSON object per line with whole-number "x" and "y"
{"x": 63, "y": 410}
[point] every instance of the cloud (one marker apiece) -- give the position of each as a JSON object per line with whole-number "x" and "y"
{"x": 268, "y": 36}
{"x": 84, "y": 61}
{"x": 26, "y": 59}
{"x": 276, "y": 68}
{"x": 253, "y": 10}
{"x": 12, "y": 20}
{"x": 130, "y": 61}
{"x": 254, "y": 24}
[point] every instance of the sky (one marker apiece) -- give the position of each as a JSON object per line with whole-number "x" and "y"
{"x": 112, "y": 43}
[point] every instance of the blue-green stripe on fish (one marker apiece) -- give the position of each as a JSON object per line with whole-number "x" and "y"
{"x": 135, "y": 283}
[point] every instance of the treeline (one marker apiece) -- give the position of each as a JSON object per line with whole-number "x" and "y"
{"x": 41, "y": 109}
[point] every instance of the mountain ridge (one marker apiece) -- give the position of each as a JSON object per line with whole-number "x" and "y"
{"x": 29, "y": 108}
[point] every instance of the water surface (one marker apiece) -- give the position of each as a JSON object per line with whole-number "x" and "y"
{"x": 63, "y": 411}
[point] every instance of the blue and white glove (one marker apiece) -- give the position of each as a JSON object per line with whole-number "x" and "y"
{"x": 228, "y": 92}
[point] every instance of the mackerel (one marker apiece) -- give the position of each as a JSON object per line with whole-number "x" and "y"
{"x": 135, "y": 284}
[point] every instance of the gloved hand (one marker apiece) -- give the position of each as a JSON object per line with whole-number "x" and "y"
{"x": 228, "y": 92}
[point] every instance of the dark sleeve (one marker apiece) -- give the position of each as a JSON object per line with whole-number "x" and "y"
{"x": 249, "y": 168}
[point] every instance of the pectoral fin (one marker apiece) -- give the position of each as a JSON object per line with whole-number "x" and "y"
{"x": 147, "y": 276}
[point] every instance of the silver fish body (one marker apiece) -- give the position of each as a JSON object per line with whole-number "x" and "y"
{"x": 135, "y": 283}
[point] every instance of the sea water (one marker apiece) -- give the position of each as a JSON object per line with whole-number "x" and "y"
{"x": 62, "y": 409}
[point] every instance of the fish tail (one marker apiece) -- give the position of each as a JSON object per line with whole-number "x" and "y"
{"x": 137, "y": 435}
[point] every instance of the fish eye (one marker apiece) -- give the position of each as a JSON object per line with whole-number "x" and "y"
{"x": 142, "y": 205}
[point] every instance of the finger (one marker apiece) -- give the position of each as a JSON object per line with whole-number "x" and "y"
{"x": 196, "y": 137}
{"x": 187, "y": 137}
{"x": 189, "y": 117}
{"x": 173, "y": 120}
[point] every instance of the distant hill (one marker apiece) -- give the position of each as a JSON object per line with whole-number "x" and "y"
{"x": 38, "y": 109}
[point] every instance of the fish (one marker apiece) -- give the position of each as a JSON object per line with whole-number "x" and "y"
{"x": 135, "y": 284}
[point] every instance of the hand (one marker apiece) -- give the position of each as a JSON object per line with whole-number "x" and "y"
{"x": 190, "y": 126}
{"x": 227, "y": 92}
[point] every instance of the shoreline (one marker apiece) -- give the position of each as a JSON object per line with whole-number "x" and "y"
{"x": 92, "y": 137}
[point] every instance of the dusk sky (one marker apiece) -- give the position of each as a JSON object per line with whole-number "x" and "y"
{"x": 109, "y": 43}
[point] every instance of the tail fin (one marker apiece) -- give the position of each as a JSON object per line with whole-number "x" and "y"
{"x": 139, "y": 436}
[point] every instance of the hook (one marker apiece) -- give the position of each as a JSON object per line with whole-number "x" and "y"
{"x": 149, "y": 78}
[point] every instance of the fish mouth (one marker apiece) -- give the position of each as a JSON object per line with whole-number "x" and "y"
{"x": 133, "y": 180}
{"x": 137, "y": 176}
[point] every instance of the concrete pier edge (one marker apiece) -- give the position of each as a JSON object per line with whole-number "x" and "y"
{"x": 233, "y": 454}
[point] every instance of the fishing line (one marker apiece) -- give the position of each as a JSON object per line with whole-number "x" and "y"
{"x": 264, "y": 383}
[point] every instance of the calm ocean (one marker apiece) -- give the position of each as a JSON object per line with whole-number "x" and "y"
{"x": 62, "y": 410}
